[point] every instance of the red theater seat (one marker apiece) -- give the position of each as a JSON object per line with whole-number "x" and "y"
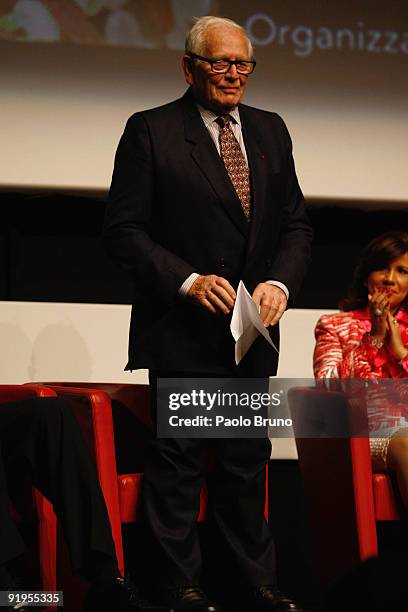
{"x": 133, "y": 428}
{"x": 116, "y": 422}
{"x": 386, "y": 507}
{"x": 129, "y": 498}
{"x": 47, "y": 523}
{"x": 93, "y": 411}
{"x": 344, "y": 499}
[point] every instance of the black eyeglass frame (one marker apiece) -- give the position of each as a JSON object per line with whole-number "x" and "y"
{"x": 231, "y": 63}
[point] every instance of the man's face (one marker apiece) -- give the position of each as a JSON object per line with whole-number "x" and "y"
{"x": 218, "y": 92}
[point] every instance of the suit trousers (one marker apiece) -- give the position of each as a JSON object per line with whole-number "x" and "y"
{"x": 40, "y": 437}
{"x": 174, "y": 473}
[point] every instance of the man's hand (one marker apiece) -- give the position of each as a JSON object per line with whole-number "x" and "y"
{"x": 272, "y": 301}
{"x": 214, "y": 293}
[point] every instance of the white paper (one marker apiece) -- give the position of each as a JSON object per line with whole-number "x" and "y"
{"x": 246, "y": 324}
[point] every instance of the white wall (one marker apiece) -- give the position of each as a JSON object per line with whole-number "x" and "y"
{"x": 67, "y": 139}
{"x": 64, "y": 342}
{"x": 88, "y": 342}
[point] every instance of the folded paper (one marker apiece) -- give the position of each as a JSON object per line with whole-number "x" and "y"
{"x": 246, "y": 324}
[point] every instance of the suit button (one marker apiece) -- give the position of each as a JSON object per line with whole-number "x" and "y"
{"x": 222, "y": 262}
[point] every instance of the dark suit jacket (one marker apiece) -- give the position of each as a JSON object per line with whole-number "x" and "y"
{"x": 173, "y": 210}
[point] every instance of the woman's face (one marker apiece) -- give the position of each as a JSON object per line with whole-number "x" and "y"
{"x": 392, "y": 280}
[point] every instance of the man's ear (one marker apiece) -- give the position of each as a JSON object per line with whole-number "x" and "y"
{"x": 187, "y": 69}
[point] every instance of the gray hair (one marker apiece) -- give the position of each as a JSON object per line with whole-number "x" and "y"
{"x": 195, "y": 37}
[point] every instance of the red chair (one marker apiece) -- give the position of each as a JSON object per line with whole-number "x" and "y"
{"x": 344, "y": 498}
{"x": 116, "y": 423}
{"x": 133, "y": 428}
{"x": 47, "y": 523}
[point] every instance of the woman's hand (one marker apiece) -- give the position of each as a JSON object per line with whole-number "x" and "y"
{"x": 379, "y": 309}
{"x": 394, "y": 340}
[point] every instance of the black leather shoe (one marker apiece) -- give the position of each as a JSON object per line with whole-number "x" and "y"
{"x": 190, "y": 599}
{"x": 268, "y": 598}
{"x": 121, "y": 595}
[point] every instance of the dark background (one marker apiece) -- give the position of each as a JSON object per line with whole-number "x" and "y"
{"x": 51, "y": 251}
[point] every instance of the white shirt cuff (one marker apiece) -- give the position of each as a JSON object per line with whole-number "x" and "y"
{"x": 186, "y": 286}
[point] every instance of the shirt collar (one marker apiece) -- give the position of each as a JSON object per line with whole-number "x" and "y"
{"x": 209, "y": 116}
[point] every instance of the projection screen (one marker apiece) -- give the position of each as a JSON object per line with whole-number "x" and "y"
{"x": 72, "y": 71}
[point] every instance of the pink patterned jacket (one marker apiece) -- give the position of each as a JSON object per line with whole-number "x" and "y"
{"x": 343, "y": 348}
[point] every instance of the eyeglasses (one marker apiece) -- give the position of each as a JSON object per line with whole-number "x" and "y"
{"x": 221, "y": 66}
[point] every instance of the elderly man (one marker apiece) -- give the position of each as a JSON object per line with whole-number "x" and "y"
{"x": 204, "y": 193}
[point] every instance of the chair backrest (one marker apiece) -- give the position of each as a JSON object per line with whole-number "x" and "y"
{"x": 13, "y": 393}
{"x": 337, "y": 480}
{"x": 132, "y": 422}
{"x": 93, "y": 410}
{"x": 47, "y": 523}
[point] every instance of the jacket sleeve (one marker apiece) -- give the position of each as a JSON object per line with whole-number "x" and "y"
{"x": 355, "y": 357}
{"x": 328, "y": 354}
{"x": 129, "y": 217}
{"x": 292, "y": 254}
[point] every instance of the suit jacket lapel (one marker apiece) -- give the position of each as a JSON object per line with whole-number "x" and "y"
{"x": 257, "y": 166}
{"x": 206, "y": 157}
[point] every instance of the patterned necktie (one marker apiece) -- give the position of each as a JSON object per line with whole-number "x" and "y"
{"x": 235, "y": 163}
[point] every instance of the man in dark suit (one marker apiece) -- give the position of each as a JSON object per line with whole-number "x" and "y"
{"x": 204, "y": 194}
